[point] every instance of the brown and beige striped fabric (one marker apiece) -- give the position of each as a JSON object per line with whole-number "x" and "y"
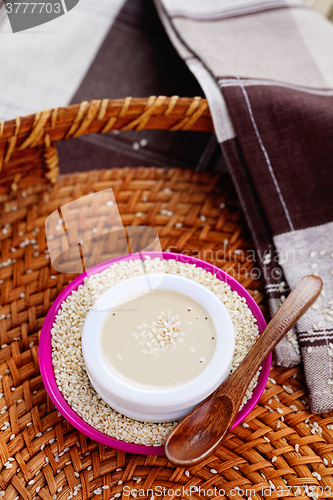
{"x": 266, "y": 67}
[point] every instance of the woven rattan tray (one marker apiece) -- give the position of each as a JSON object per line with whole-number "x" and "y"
{"x": 281, "y": 448}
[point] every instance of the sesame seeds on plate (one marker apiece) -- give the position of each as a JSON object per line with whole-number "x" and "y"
{"x": 68, "y": 362}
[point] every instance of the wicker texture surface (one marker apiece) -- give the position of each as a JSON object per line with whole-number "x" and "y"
{"x": 28, "y": 154}
{"x": 41, "y": 454}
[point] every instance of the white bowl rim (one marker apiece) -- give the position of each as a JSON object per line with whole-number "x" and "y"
{"x": 186, "y": 394}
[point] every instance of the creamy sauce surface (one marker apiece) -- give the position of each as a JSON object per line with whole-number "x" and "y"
{"x": 159, "y": 340}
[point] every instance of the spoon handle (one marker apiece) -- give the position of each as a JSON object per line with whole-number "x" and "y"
{"x": 302, "y": 296}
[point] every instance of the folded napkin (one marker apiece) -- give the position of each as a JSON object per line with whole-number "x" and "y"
{"x": 266, "y": 68}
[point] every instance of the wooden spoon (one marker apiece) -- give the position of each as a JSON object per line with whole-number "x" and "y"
{"x": 197, "y": 436}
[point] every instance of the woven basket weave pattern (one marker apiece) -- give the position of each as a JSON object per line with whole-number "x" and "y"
{"x": 41, "y": 455}
{"x": 40, "y": 433}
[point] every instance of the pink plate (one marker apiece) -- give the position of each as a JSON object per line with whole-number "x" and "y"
{"x": 45, "y": 352}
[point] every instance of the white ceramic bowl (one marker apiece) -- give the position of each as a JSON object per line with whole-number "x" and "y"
{"x": 153, "y": 405}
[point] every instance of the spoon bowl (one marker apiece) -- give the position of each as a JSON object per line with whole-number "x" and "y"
{"x": 201, "y": 437}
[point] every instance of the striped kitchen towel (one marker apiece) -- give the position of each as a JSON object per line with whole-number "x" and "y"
{"x": 266, "y": 67}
